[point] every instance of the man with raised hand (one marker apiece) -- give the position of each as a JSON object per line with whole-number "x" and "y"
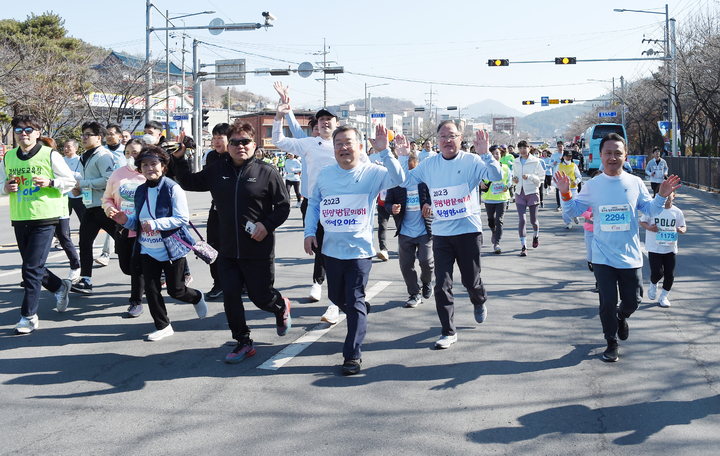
{"x": 453, "y": 178}
{"x": 615, "y": 198}
{"x": 316, "y": 153}
{"x": 342, "y": 202}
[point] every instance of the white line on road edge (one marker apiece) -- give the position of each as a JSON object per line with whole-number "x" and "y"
{"x": 304, "y": 341}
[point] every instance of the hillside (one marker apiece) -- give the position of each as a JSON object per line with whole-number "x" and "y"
{"x": 544, "y": 124}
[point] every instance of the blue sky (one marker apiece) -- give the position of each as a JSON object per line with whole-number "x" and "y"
{"x": 407, "y": 45}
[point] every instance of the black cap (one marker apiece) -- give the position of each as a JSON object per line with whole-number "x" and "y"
{"x": 567, "y": 152}
{"x": 326, "y": 112}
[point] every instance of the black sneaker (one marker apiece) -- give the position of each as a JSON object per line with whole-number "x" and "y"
{"x": 351, "y": 366}
{"x": 426, "y": 290}
{"x": 83, "y": 286}
{"x": 611, "y": 352}
{"x": 215, "y": 293}
{"x": 623, "y": 329}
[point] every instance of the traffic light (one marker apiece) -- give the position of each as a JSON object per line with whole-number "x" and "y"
{"x": 205, "y": 118}
{"x": 666, "y": 109}
{"x": 498, "y": 62}
{"x": 528, "y": 102}
{"x": 566, "y": 101}
{"x": 565, "y": 60}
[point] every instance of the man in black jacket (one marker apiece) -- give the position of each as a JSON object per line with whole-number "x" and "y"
{"x": 251, "y": 202}
{"x": 411, "y": 209}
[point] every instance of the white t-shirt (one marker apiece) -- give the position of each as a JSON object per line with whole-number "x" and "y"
{"x": 665, "y": 240}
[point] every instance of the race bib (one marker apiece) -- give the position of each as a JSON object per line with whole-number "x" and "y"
{"x": 344, "y": 213}
{"x": 151, "y": 240}
{"x": 615, "y": 218}
{"x": 666, "y": 236}
{"x": 87, "y": 196}
{"x": 497, "y": 188}
{"x": 452, "y": 203}
{"x": 413, "y": 201}
{"x": 127, "y": 194}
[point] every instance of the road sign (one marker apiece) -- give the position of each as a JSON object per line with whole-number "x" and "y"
{"x": 554, "y": 101}
{"x": 607, "y": 114}
{"x": 230, "y": 72}
{"x": 181, "y": 117}
{"x": 305, "y": 69}
{"x": 378, "y": 115}
{"x": 544, "y": 101}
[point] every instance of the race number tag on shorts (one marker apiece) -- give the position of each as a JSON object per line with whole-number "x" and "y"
{"x": 666, "y": 236}
{"x": 497, "y": 188}
{"x": 615, "y": 218}
{"x": 87, "y": 195}
{"x": 344, "y": 213}
{"x": 413, "y": 201}
{"x": 451, "y": 203}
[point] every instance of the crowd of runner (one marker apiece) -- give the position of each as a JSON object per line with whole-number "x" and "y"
{"x": 134, "y": 189}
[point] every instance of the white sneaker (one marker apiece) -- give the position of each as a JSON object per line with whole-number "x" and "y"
{"x": 414, "y": 301}
{"x": 576, "y": 220}
{"x": 383, "y": 255}
{"x": 652, "y": 291}
{"x": 446, "y": 341}
{"x": 61, "y": 296}
{"x": 161, "y": 334}
{"x": 568, "y": 226}
{"x": 315, "y": 292}
{"x": 663, "y": 300}
{"x": 27, "y": 325}
{"x": 74, "y": 276}
{"x": 103, "y": 259}
{"x": 201, "y": 307}
{"x": 332, "y": 314}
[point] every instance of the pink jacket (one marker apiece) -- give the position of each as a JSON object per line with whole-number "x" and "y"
{"x": 588, "y": 225}
{"x": 120, "y": 191}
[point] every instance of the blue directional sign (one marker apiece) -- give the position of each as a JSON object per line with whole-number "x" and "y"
{"x": 544, "y": 101}
{"x": 181, "y": 117}
{"x": 607, "y": 114}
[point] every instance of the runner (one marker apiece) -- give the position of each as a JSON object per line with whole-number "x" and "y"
{"x": 656, "y": 170}
{"x": 528, "y": 174}
{"x": 661, "y": 244}
{"x": 570, "y": 169}
{"x": 343, "y": 201}
{"x": 453, "y": 178}
{"x": 496, "y": 196}
{"x": 615, "y": 198}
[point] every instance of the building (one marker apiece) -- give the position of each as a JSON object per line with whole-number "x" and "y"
{"x": 506, "y": 125}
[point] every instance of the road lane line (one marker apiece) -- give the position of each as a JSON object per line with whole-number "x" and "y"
{"x": 315, "y": 333}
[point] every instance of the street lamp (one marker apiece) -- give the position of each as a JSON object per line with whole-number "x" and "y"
{"x": 669, "y": 57}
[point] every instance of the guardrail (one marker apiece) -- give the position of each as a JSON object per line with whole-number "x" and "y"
{"x": 701, "y": 171}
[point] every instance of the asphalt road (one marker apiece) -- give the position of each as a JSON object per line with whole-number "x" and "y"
{"x": 528, "y": 380}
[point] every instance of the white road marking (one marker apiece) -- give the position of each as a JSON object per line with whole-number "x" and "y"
{"x": 304, "y": 341}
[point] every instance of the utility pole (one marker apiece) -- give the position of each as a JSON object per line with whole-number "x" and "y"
{"x": 622, "y": 99}
{"x": 324, "y": 75}
{"x": 673, "y": 91}
{"x": 431, "y": 104}
{"x": 148, "y": 52}
{"x": 167, "y": 74}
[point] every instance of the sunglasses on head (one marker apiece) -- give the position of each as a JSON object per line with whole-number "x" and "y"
{"x": 236, "y": 142}
{"x": 27, "y": 130}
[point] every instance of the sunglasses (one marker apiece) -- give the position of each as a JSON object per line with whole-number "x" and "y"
{"x": 236, "y": 142}
{"x": 88, "y": 135}
{"x": 27, "y": 130}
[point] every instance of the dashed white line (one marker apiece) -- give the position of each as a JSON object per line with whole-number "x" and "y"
{"x": 304, "y": 341}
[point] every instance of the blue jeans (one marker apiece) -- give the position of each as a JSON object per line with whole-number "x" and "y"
{"x": 34, "y": 244}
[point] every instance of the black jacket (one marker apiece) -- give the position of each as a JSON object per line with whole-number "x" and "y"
{"x": 254, "y": 192}
{"x": 398, "y": 195}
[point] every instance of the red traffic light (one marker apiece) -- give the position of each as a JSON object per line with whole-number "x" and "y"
{"x": 498, "y": 62}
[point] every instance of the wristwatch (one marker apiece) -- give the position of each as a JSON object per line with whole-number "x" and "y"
{"x": 52, "y": 183}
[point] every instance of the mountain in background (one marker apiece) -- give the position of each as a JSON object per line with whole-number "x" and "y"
{"x": 490, "y": 107}
{"x": 546, "y": 124}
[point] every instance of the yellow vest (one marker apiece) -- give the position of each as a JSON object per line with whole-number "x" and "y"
{"x": 569, "y": 170}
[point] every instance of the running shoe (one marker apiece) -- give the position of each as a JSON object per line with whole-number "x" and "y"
{"x": 446, "y": 341}
{"x": 568, "y": 226}
{"x": 82, "y": 286}
{"x": 611, "y": 352}
{"x": 161, "y": 334}
{"x": 27, "y": 325}
{"x": 284, "y": 320}
{"x": 536, "y": 242}
{"x": 427, "y": 290}
{"x": 103, "y": 259}
{"x": 332, "y": 314}
{"x": 315, "y": 292}
{"x": 413, "y": 301}
{"x": 214, "y": 293}
{"x": 497, "y": 249}
{"x": 61, "y": 297}
{"x": 623, "y": 329}
{"x": 135, "y": 309}
{"x": 663, "y": 300}
{"x": 480, "y": 312}
{"x": 351, "y": 366}
{"x": 383, "y": 255}
{"x": 201, "y": 308}
{"x": 243, "y": 349}
{"x": 652, "y": 291}
{"x": 523, "y": 252}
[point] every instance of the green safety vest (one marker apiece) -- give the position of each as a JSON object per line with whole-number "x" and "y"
{"x": 31, "y": 202}
{"x": 504, "y": 196}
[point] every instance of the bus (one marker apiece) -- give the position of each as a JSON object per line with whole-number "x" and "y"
{"x": 590, "y": 143}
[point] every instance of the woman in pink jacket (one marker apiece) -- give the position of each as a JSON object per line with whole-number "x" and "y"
{"x": 120, "y": 196}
